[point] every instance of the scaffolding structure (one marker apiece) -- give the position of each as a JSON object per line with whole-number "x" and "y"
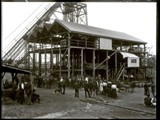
{"x": 51, "y": 49}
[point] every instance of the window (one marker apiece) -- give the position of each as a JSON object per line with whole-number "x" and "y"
{"x": 133, "y": 60}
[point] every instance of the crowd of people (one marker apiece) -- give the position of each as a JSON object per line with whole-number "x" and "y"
{"x": 21, "y": 88}
{"x": 91, "y": 87}
{"x": 94, "y": 87}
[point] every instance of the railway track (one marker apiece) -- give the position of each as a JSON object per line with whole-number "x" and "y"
{"x": 108, "y": 104}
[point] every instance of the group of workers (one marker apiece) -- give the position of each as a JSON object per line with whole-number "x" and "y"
{"x": 91, "y": 87}
{"x": 22, "y": 87}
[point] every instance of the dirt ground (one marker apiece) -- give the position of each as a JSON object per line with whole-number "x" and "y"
{"x": 68, "y": 105}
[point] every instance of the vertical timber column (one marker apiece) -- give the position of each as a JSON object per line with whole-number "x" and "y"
{"x": 98, "y": 61}
{"x": 82, "y": 62}
{"x": 45, "y": 60}
{"x": 116, "y": 62}
{"x": 84, "y": 73}
{"x": 93, "y": 64}
{"x": 107, "y": 66}
{"x": 73, "y": 62}
{"x": 51, "y": 56}
{"x": 69, "y": 63}
{"x": 40, "y": 61}
{"x": 28, "y": 56}
{"x": 59, "y": 63}
{"x": 57, "y": 60}
{"x": 145, "y": 61}
{"x": 34, "y": 58}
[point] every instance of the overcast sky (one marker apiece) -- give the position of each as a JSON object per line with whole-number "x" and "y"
{"x": 137, "y": 19}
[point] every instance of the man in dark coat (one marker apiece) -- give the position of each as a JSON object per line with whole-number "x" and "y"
{"x": 21, "y": 92}
{"x": 94, "y": 88}
{"x": 146, "y": 89}
{"x": 60, "y": 86}
{"x": 76, "y": 87}
{"x": 153, "y": 89}
{"x": 28, "y": 89}
{"x": 86, "y": 89}
{"x": 13, "y": 92}
{"x": 63, "y": 87}
{"x": 108, "y": 89}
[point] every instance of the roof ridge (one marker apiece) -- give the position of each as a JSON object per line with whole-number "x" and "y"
{"x": 97, "y": 31}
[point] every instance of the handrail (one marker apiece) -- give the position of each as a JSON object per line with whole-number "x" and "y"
{"x": 17, "y": 49}
{"x": 21, "y": 60}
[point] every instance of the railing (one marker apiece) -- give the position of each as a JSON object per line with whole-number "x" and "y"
{"x": 82, "y": 43}
{"x": 22, "y": 59}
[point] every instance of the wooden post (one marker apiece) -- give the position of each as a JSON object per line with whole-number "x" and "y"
{"x": 33, "y": 49}
{"x": 98, "y": 60}
{"x": 93, "y": 64}
{"x": 39, "y": 62}
{"x": 73, "y": 62}
{"x": 107, "y": 67}
{"x": 28, "y": 57}
{"x": 145, "y": 61}
{"x": 45, "y": 60}
{"x": 84, "y": 55}
{"x": 59, "y": 63}
{"x": 51, "y": 56}
{"x": 82, "y": 62}
{"x": 116, "y": 62}
{"x": 69, "y": 62}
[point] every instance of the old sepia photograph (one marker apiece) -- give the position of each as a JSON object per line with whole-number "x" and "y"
{"x": 78, "y": 60}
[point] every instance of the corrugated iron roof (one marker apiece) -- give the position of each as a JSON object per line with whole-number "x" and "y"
{"x": 125, "y": 54}
{"x": 95, "y": 31}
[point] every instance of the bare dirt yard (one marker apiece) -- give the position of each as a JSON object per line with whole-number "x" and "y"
{"x": 127, "y": 105}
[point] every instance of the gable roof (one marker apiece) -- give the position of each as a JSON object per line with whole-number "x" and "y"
{"x": 95, "y": 31}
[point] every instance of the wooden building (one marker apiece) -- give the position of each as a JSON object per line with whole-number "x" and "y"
{"x": 75, "y": 49}
{"x": 70, "y": 47}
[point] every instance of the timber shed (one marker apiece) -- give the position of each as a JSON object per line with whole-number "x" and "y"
{"x": 80, "y": 50}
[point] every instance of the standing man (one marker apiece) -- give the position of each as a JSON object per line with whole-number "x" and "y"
{"x": 86, "y": 89}
{"x": 94, "y": 88}
{"x": 146, "y": 89}
{"x": 153, "y": 88}
{"x": 28, "y": 89}
{"x": 114, "y": 90}
{"x": 76, "y": 87}
{"x": 63, "y": 85}
{"x": 21, "y": 91}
